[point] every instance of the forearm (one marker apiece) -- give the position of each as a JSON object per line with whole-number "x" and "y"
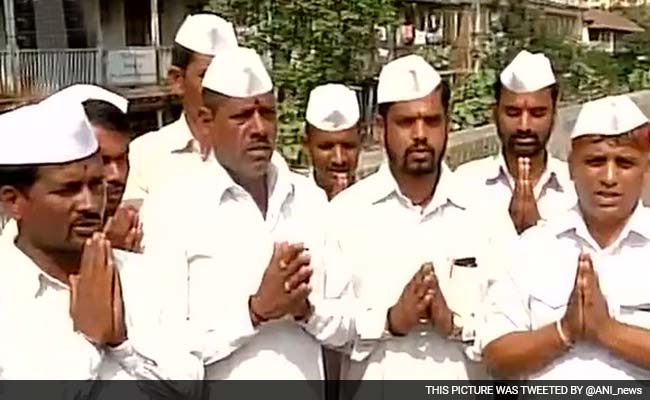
{"x": 631, "y": 343}
{"x": 519, "y": 354}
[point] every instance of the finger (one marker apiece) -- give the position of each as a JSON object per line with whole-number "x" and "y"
{"x": 300, "y": 293}
{"x": 520, "y": 169}
{"x": 296, "y": 264}
{"x": 277, "y": 255}
{"x": 118, "y": 304}
{"x": 131, "y": 238}
{"x": 101, "y": 262}
{"x": 293, "y": 251}
{"x": 138, "y": 239}
{"x": 427, "y": 268}
{"x": 86, "y": 256}
{"x": 424, "y": 304}
{"x": 74, "y": 292}
{"x": 109, "y": 225}
{"x": 526, "y": 165}
{"x": 301, "y": 276}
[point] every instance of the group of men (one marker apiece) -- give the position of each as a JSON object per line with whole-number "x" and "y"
{"x": 195, "y": 253}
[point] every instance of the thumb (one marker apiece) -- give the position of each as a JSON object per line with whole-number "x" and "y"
{"x": 74, "y": 287}
{"x": 108, "y": 225}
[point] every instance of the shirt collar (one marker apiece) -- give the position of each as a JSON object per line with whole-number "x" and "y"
{"x": 386, "y": 186}
{"x": 278, "y": 178}
{"x": 181, "y": 139}
{"x": 555, "y": 176}
{"x": 27, "y": 275}
{"x": 639, "y": 224}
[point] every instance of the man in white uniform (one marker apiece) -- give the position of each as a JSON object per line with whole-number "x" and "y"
{"x": 106, "y": 111}
{"x": 157, "y": 155}
{"x": 332, "y": 135}
{"x": 238, "y": 258}
{"x": 403, "y": 239}
{"x": 71, "y": 308}
{"x": 574, "y": 304}
{"x": 523, "y": 183}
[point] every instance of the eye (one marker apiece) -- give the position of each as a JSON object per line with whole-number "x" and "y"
{"x": 513, "y": 111}
{"x": 596, "y": 161}
{"x": 625, "y": 163}
{"x": 538, "y": 112}
{"x": 326, "y": 146}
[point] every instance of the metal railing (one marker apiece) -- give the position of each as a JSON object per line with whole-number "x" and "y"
{"x": 43, "y": 71}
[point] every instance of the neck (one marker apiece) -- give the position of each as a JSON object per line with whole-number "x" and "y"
{"x": 257, "y": 188}
{"x": 605, "y": 232}
{"x": 59, "y": 265}
{"x": 192, "y": 124}
{"x": 537, "y": 165}
{"x": 418, "y": 189}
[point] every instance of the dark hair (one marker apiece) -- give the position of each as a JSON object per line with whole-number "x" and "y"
{"x": 211, "y": 99}
{"x": 22, "y": 177}
{"x": 445, "y": 94}
{"x": 309, "y": 127}
{"x": 555, "y": 91}
{"x": 107, "y": 116}
{"x": 181, "y": 56}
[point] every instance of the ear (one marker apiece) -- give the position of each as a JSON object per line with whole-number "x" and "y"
{"x": 12, "y": 202}
{"x": 571, "y": 162}
{"x": 380, "y": 130}
{"x": 495, "y": 113}
{"x": 176, "y": 79}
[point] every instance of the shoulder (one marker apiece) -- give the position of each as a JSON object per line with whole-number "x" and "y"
{"x": 149, "y": 141}
{"x": 476, "y": 169}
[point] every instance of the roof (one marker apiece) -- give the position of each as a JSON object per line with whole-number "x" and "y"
{"x": 599, "y": 19}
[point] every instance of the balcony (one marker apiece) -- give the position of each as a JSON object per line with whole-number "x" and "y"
{"x": 37, "y": 73}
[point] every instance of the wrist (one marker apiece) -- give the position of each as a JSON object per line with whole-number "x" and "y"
{"x": 564, "y": 333}
{"x": 256, "y": 317}
{"x": 306, "y": 311}
{"x": 604, "y": 334}
{"x": 394, "y": 325}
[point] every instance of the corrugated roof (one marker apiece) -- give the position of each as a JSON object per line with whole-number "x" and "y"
{"x": 599, "y": 19}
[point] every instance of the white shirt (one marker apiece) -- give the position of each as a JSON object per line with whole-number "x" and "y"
{"x": 37, "y": 339}
{"x": 540, "y": 278}
{"x": 487, "y": 189}
{"x": 9, "y": 232}
{"x": 157, "y": 155}
{"x": 381, "y": 240}
{"x": 215, "y": 256}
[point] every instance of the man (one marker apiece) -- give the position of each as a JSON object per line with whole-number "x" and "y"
{"x": 523, "y": 183}
{"x": 71, "y": 307}
{"x": 575, "y": 302}
{"x": 156, "y": 155}
{"x": 333, "y": 140}
{"x": 106, "y": 112}
{"x": 405, "y": 243}
{"x": 238, "y": 258}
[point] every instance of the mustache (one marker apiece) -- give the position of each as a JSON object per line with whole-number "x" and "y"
{"x": 89, "y": 218}
{"x": 260, "y": 145}
{"x": 418, "y": 148}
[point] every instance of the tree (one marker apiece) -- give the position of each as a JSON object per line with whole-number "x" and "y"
{"x": 308, "y": 43}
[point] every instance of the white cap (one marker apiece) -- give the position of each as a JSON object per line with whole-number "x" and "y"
{"x": 82, "y": 93}
{"x": 406, "y": 78}
{"x": 332, "y": 107}
{"x": 52, "y": 132}
{"x": 528, "y": 73}
{"x": 206, "y": 34}
{"x": 608, "y": 116}
{"x": 238, "y": 72}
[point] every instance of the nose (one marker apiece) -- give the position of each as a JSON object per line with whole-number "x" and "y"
{"x": 257, "y": 125}
{"x": 86, "y": 200}
{"x": 610, "y": 176}
{"x": 524, "y": 122}
{"x": 337, "y": 157}
{"x": 111, "y": 171}
{"x": 418, "y": 132}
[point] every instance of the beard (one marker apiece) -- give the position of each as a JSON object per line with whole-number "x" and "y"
{"x": 525, "y": 143}
{"x": 428, "y": 162}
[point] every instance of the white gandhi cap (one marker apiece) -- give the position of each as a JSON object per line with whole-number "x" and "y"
{"x": 608, "y": 116}
{"x": 406, "y": 78}
{"x": 53, "y": 132}
{"x": 81, "y": 93}
{"x": 238, "y": 72}
{"x": 528, "y": 73}
{"x": 206, "y": 34}
{"x": 332, "y": 108}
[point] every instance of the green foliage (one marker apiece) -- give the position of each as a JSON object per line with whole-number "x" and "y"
{"x": 308, "y": 43}
{"x": 472, "y": 100}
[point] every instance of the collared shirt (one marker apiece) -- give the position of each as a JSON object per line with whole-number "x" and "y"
{"x": 156, "y": 155}
{"x": 541, "y": 276}
{"x": 9, "y": 232}
{"x": 214, "y": 259}
{"x": 487, "y": 189}
{"x": 38, "y": 340}
{"x": 381, "y": 240}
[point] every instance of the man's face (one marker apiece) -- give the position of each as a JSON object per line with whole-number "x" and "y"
{"x": 333, "y": 154}
{"x": 416, "y": 135}
{"x": 64, "y": 207}
{"x": 243, "y": 132}
{"x": 608, "y": 174}
{"x": 186, "y": 83}
{"x": 114, "y": 148}
{"x": 525, "y": 121}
